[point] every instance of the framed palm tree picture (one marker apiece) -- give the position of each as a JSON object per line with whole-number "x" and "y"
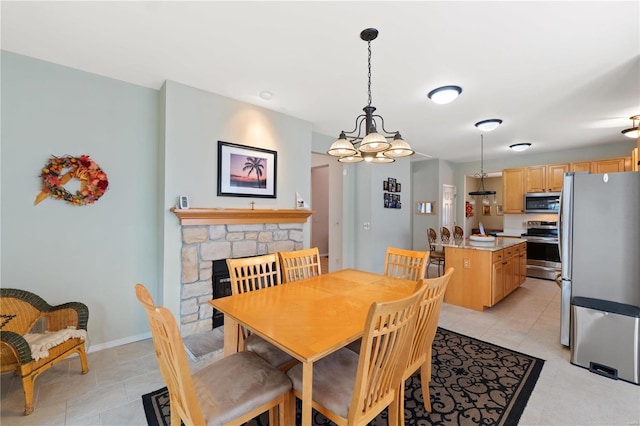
{"x": 246, "y": 171}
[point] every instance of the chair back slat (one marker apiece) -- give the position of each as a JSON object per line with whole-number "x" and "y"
{"x": 387, "y": 335}
{"x": 405, "y": 264}
{"x": 172, "y": 360}
{"x": 427, "y": 322}
{"x": 253, "y": 273}
{"x": 300, "y": 264}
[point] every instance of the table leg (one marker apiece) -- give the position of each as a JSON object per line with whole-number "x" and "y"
{"x": 231, "y": 330}
{"x": 307, "y": 397}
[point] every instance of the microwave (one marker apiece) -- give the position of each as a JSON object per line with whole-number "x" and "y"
{"x": 542, "y": 202}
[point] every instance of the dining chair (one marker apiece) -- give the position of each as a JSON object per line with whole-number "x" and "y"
{"x": 230, "y": 391}
{"x": 300, "y": 264}
{"x": 458, "y": 234}
{"x": 425, "y": 331}
{"x": 251, "y": 274}
{"x": 436, "y": 257}
{"x": 405, "y": 264}
{"x": 352, "y": 389}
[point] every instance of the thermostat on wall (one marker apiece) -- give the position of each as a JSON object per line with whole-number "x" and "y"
{"x": 183, "y": 202}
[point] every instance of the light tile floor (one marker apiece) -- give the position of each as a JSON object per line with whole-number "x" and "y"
{"x": 526, "y": 321}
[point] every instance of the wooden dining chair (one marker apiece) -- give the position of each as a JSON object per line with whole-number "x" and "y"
{"x": 251, "y": 274}
{"x": 436, "y": 257}
{"x": 352, "y": 389}
{"x": 230, "y": 391}
{"x": 405, "y": 264}
{"x": 300, "y": 264}
{"x": 425, "y": 331}
{"x": 458, "y": 234}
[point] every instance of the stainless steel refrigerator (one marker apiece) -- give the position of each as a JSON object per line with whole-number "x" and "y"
{"x": 599, "y": 239}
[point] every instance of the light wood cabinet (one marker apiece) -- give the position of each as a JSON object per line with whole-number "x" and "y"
{"x": 482, "y": 278}
{"x": 612, "y": 165}
{"x": 635, "y": 160}
{"x": 522, "y": 259}
{"x": 583, "y": 166}
{"x": 513, "y": 190}
{"x": 546, "y": 178}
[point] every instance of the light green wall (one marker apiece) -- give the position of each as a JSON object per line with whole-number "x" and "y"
{"x": 426, "y": 187}
{"x": 194, "y": 122}
{"x": 95, "y": 253}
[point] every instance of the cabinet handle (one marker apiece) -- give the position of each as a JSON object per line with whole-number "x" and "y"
{"x": 504, "y": 263}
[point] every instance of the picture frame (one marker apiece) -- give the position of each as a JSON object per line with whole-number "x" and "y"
{"x": 499, "y": 210}
{"x": 246, "y": 171}
{"x": 486, "y": 210}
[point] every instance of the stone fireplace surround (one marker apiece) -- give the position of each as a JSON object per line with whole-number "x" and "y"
{"x": 213, "y": 234}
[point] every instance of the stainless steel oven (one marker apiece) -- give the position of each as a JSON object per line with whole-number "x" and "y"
{"x": 543, "y": 253}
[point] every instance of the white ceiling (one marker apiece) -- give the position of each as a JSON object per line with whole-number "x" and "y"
{"x": 561, "y": 74}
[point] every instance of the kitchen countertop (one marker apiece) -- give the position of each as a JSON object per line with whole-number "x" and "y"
{"x": 499, "y": 244}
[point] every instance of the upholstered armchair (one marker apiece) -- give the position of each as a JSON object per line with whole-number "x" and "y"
{"x": 35, "y": 336}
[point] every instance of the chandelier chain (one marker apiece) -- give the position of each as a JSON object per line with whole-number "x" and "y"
{"x": 369, "y": 75}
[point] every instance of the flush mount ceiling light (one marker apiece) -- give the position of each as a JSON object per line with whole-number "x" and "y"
{"x": 364, "y": 142}
{"x": 481, "y": 191}
{"x": 444, "y": 94}
{"x": 634, "y": 131}
{"x": 488, "y": 125}
{"x": 522, "y": 146}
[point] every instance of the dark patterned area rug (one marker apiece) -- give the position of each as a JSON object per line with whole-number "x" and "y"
{"x": 473, "y": 383}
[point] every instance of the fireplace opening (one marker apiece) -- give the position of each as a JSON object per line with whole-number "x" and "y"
{"x": 221, "y": 288}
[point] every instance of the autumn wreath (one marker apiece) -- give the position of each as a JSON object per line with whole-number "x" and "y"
{"x": 93, "y": 181}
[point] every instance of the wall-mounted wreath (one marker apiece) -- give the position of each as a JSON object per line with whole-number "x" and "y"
{"x": 93, "y": 181}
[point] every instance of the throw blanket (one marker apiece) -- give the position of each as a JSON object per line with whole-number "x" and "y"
{"x": 40, "y": 343}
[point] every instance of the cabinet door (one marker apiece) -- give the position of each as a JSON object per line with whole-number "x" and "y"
{"x": 536, "y": 179}
{"x": 612, "y": 165}
{"x": 523, "y": 263}
{"x": 513, "y": 191}
{"x": 497, "y": 282}
{"x": 555, "y": 176}
{"x": 583, "y": 166}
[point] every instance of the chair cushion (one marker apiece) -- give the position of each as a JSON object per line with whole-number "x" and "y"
{"x": 274, "y": 356}
{"x": 334, "y": 379}
{"x": 235, "y": 385}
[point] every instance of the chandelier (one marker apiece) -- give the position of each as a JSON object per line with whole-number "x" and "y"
{"x": 365, "y": 142}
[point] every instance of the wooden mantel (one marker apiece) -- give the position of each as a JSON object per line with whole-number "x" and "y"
{"x": 198, "y": 216}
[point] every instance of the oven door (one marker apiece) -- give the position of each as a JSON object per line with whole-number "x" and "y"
{"x": 543, "y": 257}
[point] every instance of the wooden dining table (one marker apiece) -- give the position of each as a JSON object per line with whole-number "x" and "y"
{"x": 310, "y": 318}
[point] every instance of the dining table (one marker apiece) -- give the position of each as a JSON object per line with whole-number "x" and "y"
{"x": 309, "y": 319}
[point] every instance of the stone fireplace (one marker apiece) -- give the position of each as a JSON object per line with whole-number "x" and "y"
{"x": 215, "y": 234}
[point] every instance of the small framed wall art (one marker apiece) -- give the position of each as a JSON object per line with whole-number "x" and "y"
{"x": 246, "y": 171}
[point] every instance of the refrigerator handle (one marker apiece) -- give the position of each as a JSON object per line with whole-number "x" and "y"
{"x": 560, "y": 222}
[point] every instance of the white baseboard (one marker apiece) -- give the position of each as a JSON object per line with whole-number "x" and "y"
{"x": 119, "y": 342}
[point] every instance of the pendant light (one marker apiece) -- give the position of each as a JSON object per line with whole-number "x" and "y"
{"x": 481, "y": 191}
{"x": 366, "y": 142}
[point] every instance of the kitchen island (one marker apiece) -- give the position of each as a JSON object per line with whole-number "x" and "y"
{"x": 485, "y": 272}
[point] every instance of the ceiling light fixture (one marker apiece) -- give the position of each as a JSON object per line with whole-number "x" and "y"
{"x": 481, "y": 191}
{"x": 488, "y": 125}
{"x": 634, "y": 131}
{"x": 521, "y": 146}
{"x": 373, "y": 147}
{"x": 444, "y": 94}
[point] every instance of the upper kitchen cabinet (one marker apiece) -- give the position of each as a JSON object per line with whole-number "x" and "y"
{"x": 612, "y": 165}
{"x": 513, "y": 190}
{"x": 545, "y": 178}
{"x": 584, "y": 166}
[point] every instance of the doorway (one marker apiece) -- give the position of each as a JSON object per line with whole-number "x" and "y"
{"x": 320, "y": 204}
{"x": 448, "y": 206}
